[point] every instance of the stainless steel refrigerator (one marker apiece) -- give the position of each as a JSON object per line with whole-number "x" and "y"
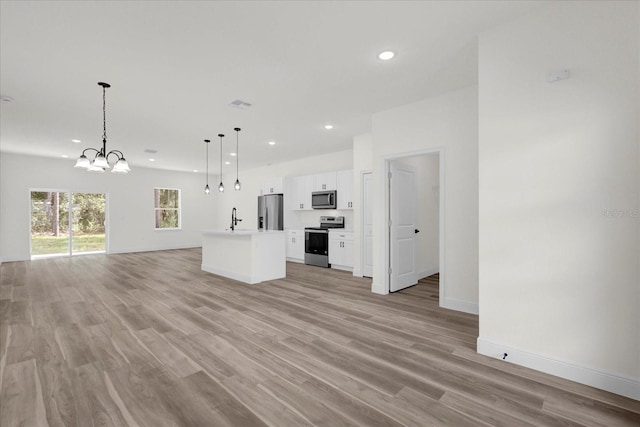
{"x": 270, "y": 212}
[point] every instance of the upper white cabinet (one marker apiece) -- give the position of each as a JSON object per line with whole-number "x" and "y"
{"x": 344, "y": 181}
{"x": 273, "y": 186}
{"x": 301, "y": 188}
{"x": 324, "y": 181}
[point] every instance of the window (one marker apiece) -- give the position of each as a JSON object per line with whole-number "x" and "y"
{"x": 66, "y": 223}
{"x": 167, "y": 208}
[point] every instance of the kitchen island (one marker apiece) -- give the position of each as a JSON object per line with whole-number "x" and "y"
{"x": 250, "y": 256}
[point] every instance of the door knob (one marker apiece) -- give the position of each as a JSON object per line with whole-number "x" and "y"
{"x": 416, "y": 231}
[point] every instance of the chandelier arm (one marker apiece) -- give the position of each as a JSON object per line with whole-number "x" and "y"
{"x": 91, "y": 149}
{"x": 116, "y": 153}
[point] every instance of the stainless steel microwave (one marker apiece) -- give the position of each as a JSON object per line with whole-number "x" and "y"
{"x": 323, "y": 199}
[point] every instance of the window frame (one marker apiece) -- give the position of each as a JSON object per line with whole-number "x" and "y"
{"x": 178, "y": 209}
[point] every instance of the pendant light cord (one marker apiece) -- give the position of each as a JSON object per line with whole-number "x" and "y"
{"x": 237, "y": 153}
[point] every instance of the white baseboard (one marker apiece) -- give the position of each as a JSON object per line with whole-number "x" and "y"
{"x": 460, "y": 305}
{"x": 624, "y": 386}
{"x": 341, "y": 267}
{"x": 357, "y": 272}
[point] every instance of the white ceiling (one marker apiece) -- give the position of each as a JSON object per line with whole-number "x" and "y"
{"x": 174, "y": 67}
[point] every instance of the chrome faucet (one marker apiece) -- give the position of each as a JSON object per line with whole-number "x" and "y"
{"x": 234, "y": 219}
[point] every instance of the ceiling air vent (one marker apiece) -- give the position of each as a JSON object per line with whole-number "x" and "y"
{"x": 238, "y": 103}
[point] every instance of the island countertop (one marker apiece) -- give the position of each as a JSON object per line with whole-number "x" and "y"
{"x": 249, "y": 256}
{"x": 239, "y": 232}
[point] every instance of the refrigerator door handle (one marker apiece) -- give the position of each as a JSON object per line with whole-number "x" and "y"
{"x": 266, "y": 218}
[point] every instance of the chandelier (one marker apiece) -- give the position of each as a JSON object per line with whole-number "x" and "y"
{"x": 101, "y": 159}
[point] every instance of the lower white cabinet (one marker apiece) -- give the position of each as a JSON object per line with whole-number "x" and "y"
{"x": 341, "y": 250}
{"x": 295, "y": 245}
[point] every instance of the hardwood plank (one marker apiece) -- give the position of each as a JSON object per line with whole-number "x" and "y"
{"x": 20, "y": 398}
{"x": 229, "y": 410}
{"x": 157, "y": 342}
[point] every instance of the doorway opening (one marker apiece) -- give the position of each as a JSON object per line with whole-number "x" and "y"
{"x": 65, "y": 223}
{"x": 414, "y": 220}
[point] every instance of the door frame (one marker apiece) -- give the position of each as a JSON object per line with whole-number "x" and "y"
{"x": 385, "y": 253}
{"x": 362, "y": 216}
{"x": 68, "y": 191}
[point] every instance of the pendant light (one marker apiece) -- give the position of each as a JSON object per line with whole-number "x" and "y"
{"x": 206, "y": 187}
{"x": 101, "y": 160}
{"x": 237, "y": 184}
{"x": 221, "y": 186}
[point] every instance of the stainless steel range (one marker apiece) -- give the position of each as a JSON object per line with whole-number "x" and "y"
{"x": 316, "y": 241}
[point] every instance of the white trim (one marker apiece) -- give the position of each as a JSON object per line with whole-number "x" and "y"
{"x": 342, "y": 267}
{"x": 460, "y": 305}
{"x": 624, "y": 386}
{"x": 376, "y": 289}
{"x": 298, "y": 260}
{"x": 359, "y": 272}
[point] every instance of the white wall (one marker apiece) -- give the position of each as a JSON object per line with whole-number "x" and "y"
{"x": 130, "y": 201}
{"x": 559, "y": 193}
{"x": 449, "y": 122}
{"x": 246, "y": 200}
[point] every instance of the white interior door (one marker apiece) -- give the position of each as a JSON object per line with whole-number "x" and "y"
{"x": 402, "y": 214}
{"x": 367, "y": 225}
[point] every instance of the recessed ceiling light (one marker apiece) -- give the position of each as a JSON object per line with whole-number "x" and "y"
{"x": 152, "y": 160}
{"x": 271, "y": 143}
{"x": 232, "y": 154}
{"x": 386, "y": 55}
{"x": 227, "y": 163}
{"x": 328, "y": 126}
{"x": 77, "y": 141}
{"x": 65, "y": 156}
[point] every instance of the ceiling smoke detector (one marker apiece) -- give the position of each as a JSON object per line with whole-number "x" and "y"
{"x": 150, "y": 151}
{"x": 238, "y": 103}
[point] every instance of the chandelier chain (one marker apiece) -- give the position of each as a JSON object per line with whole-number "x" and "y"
{"x": 104, "y": 113}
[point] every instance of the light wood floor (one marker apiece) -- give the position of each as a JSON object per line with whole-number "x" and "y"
{"x": 148, "y": 339}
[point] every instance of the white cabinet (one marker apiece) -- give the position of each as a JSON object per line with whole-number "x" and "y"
{"x": 301, "y": 188}
{"x": 345, "y": 189}
{"x": 273, "y": 186}
{"x": 341, "y": 249}
{"x": 295, "y": 245}
{"x": 324, "y": 181}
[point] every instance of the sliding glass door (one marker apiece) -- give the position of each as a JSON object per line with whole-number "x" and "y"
{"x": 65, "y": 223}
